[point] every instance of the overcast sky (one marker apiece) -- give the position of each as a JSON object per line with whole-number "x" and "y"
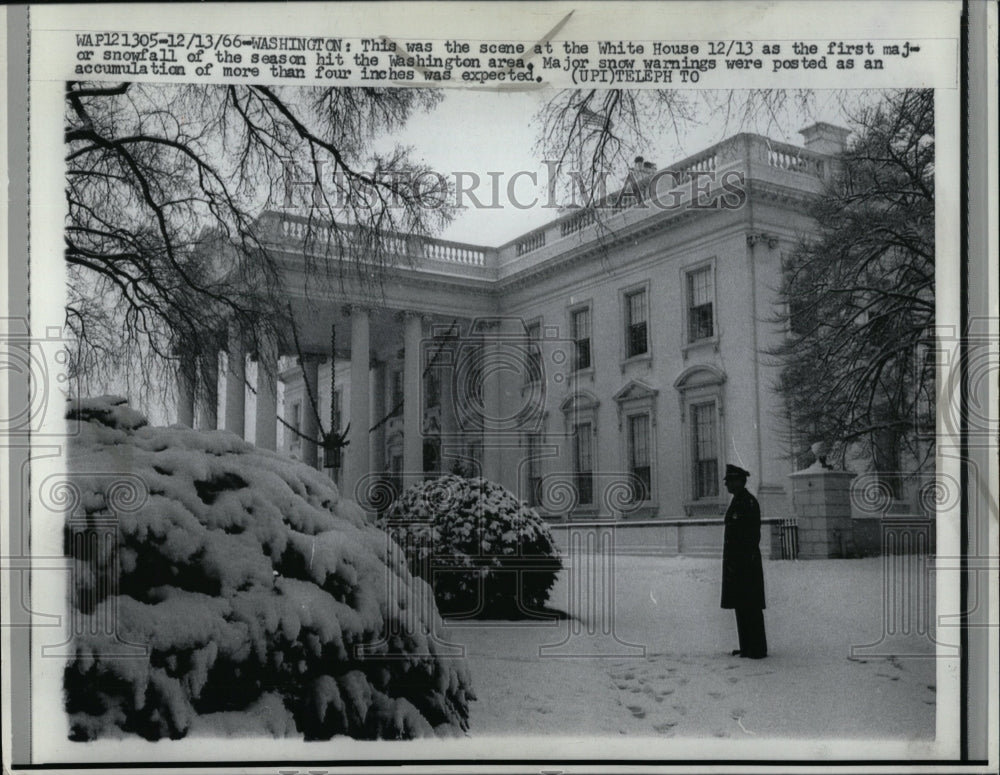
{"x": 480, "y": 132}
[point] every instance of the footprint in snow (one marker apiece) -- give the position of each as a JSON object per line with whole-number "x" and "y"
{"x": 715, "y": 695}
{"x": 637, "y": 711}
{"x": 666, "y": 726}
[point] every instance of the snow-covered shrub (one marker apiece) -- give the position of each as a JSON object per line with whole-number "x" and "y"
{"x": 486, "y": 553}
{"x": 263, "y": 602}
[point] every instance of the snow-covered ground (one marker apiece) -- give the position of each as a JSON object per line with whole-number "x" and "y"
{"x": 677, "y": 677}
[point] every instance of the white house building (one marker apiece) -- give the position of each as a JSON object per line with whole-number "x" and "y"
{"x": 598, "y": 367}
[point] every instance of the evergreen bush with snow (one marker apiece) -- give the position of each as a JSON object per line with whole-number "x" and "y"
{"x": 486, "y": 553}
{"x": 264, "y": 603}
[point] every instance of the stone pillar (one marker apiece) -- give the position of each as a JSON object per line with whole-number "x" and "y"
{"x": 266, "y": 425}
{"x": 236, "y": 374}
{"x": 492, "y": 379}
{"x": 413, "y": 410}
{"x": 310, "y": 400}
{"x": 208, "y": 405}
{"x": 356, "y": 456}
{"x": 821, "y": 499}
{"x": 186, "y": 381}
{"x": 450, "y": 437}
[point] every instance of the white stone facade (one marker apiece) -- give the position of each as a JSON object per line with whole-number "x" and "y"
{"x": 598, "y": 370}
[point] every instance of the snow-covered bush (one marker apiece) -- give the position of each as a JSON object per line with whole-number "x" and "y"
{"x": 486, "y": 553}
{"x": 261, "y": 602}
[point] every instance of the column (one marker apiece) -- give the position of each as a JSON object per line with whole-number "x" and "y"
{"x": 310, "y": 405}
{"x": 492, "y": 400}
{"x": 185, "y": 391}
{"x": 236, "y": 374}
{"x": 266, "y": 416}
{"x": 208, "y": 405}
{"x": 356, "y": 455}
{"x": 413, "y": 414}
{"x": 450, "y": 438}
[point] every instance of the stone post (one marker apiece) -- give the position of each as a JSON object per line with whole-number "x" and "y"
{"x": 821, "y": 499}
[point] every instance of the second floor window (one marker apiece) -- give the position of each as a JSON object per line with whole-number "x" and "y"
{"x": 700, "y": 296}
{"x": 533, "y": 367}
{"x": 636, "y": 328}
{"x": 580, "y": 324}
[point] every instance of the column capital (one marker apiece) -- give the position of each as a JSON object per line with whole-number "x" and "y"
{"x": 409, "y": 314}
{"x": 350, "y": 309}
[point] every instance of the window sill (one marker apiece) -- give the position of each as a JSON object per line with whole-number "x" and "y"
{"x": 645, "y": 358}
{"x": 583, "y": 512}
{"x": 706, "y": 506}
{"x": 701, "y": 344}
{"x": 644, "y": 510}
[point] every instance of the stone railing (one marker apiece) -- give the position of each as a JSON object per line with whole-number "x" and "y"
{"x": 455, "y": 252}
{"x": 706, "y": 161}
{"x": 533, "y": 240}
{"x": 289, "y": 229}
{"x": 578, "y": 221}
{"x": 794, "y": 159}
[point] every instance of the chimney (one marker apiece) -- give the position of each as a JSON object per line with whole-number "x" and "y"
{"x": 825, "y": 138}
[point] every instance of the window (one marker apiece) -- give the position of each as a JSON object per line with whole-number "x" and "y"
{"x": 533, "y": 367}
{"x": 700, "y": 296}
{"x": 583, "y": 463}
{"x": 638, "y": 456}
{"x": 636, "y": 404}
{"x": 534, "y": 472}
{"x": 396, "y": 472}
{"x": 580, "y": 332}
{"x": 636, "y": 336}
{"x": 432, "y": 385}
{"x": 396, "y": 395}
{"x": 432, "y": 457}
{"x": 704, "y": 453}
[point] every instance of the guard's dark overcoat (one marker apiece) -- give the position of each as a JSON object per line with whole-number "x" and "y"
{"x": 742, "y": 569}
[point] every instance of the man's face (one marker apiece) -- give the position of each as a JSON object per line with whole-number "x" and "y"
{"x": 735, "y": 484}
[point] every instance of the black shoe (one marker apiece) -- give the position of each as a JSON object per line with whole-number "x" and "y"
{"x": 737, "y": 653}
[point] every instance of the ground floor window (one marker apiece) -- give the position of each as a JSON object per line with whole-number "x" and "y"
{"x": 583, "y": 463}
{"x": 705, "y": 450}
{"x": 639, "y": 458}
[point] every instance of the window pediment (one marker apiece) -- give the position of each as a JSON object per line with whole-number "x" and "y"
{"x": 579, "y": 402}
{"x": 635, "y": 390}
{"x": 699, "y": 376}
